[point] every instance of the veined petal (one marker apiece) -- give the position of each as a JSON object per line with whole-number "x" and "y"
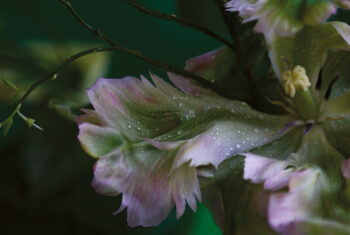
{"x": 215, "y": 65}
{"x": 258, "y": 169}
{"x": 141, "y": 175}
{"x": 98, "y": 141}
{"x": 190, "y": 87}
{"x": 227, "y": 138}
{"x": 300, "y": 202}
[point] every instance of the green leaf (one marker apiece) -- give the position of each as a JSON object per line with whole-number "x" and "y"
{"x": 321, "y": 226}
{"x": 11, "y": 85}
{"x": 338, "y": 134}
{"x": 337, "y": 64}
{"x": 65, "y": 107}
{"x": 7, "y": 126}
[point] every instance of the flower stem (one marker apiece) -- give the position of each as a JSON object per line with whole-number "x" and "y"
{"x": 305, "y": 105}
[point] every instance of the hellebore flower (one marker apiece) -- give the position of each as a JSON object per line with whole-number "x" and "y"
{"x": 150, "y": 141}
{"x": 285, "y": 17}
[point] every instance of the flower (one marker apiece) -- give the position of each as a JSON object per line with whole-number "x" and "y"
{"x": 285, "y": 17}
{"x": 295, "y": 79}
{"x": 301, "y": 209}
{"x": 151, "y": 140}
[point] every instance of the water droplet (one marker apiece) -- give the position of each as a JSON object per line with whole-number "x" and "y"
{"x": 238, "y": 146}
{"x": 181, "y": 104}
{"x": 129, "y": 126}
{"x": 239, "y": 132}
{"x": 256, "y": 130}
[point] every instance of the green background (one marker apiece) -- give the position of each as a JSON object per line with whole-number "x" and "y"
{"x": 45, "y": 175}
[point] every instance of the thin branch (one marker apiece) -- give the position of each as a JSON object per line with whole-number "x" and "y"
{"x": 184, "y": 22}
{"x": 54, "y": 74}
{"x": 230, "y": 24}
{"x": 135, "y": 53}
{"x": 232, "y": 27}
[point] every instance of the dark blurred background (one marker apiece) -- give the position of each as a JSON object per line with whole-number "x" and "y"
{"x": 45, "y": 175}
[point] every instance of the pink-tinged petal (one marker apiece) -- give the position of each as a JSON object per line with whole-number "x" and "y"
{"x": 185, "y": 188}
{"x": 278, "y": 181}
{"x": 300, "y": 202}
{"x": 258, "y": 169}
{"x": 146, "y": 193}
{"x": 344, "y": 4}
{"x": 201, "y": 62}
{"x": 164, "y": 145}
{"x": 223, "y": 140}
{"x": 345, "y": 167}
{"x": 90, "y": 116}
{"x": 214, "y": 66}
{"x": 135, "y": 107}
{"x": 98, "y": 141}
{"x": 190, "y": 87}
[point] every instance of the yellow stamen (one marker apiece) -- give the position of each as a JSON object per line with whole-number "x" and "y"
{"x": 295, "y": 80}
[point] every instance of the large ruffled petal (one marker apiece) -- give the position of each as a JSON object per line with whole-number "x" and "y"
{"x": 141, "y": 175}
{"x": 153, "y": 137}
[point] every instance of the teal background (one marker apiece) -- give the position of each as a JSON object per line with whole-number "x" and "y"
{"x": 45, "y": 175}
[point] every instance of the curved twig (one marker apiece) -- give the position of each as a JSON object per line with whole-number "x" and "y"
{"x": 54, "y": 74}
{"x": 184, "y": 22}
{"x": 231, "y": 26}
{"x": 135, "y": 53}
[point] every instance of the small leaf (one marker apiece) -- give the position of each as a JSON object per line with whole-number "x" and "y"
{"x": 7, "y": 126}
{"x": 64, "y": 107}
{"x": 11, "y": 84}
